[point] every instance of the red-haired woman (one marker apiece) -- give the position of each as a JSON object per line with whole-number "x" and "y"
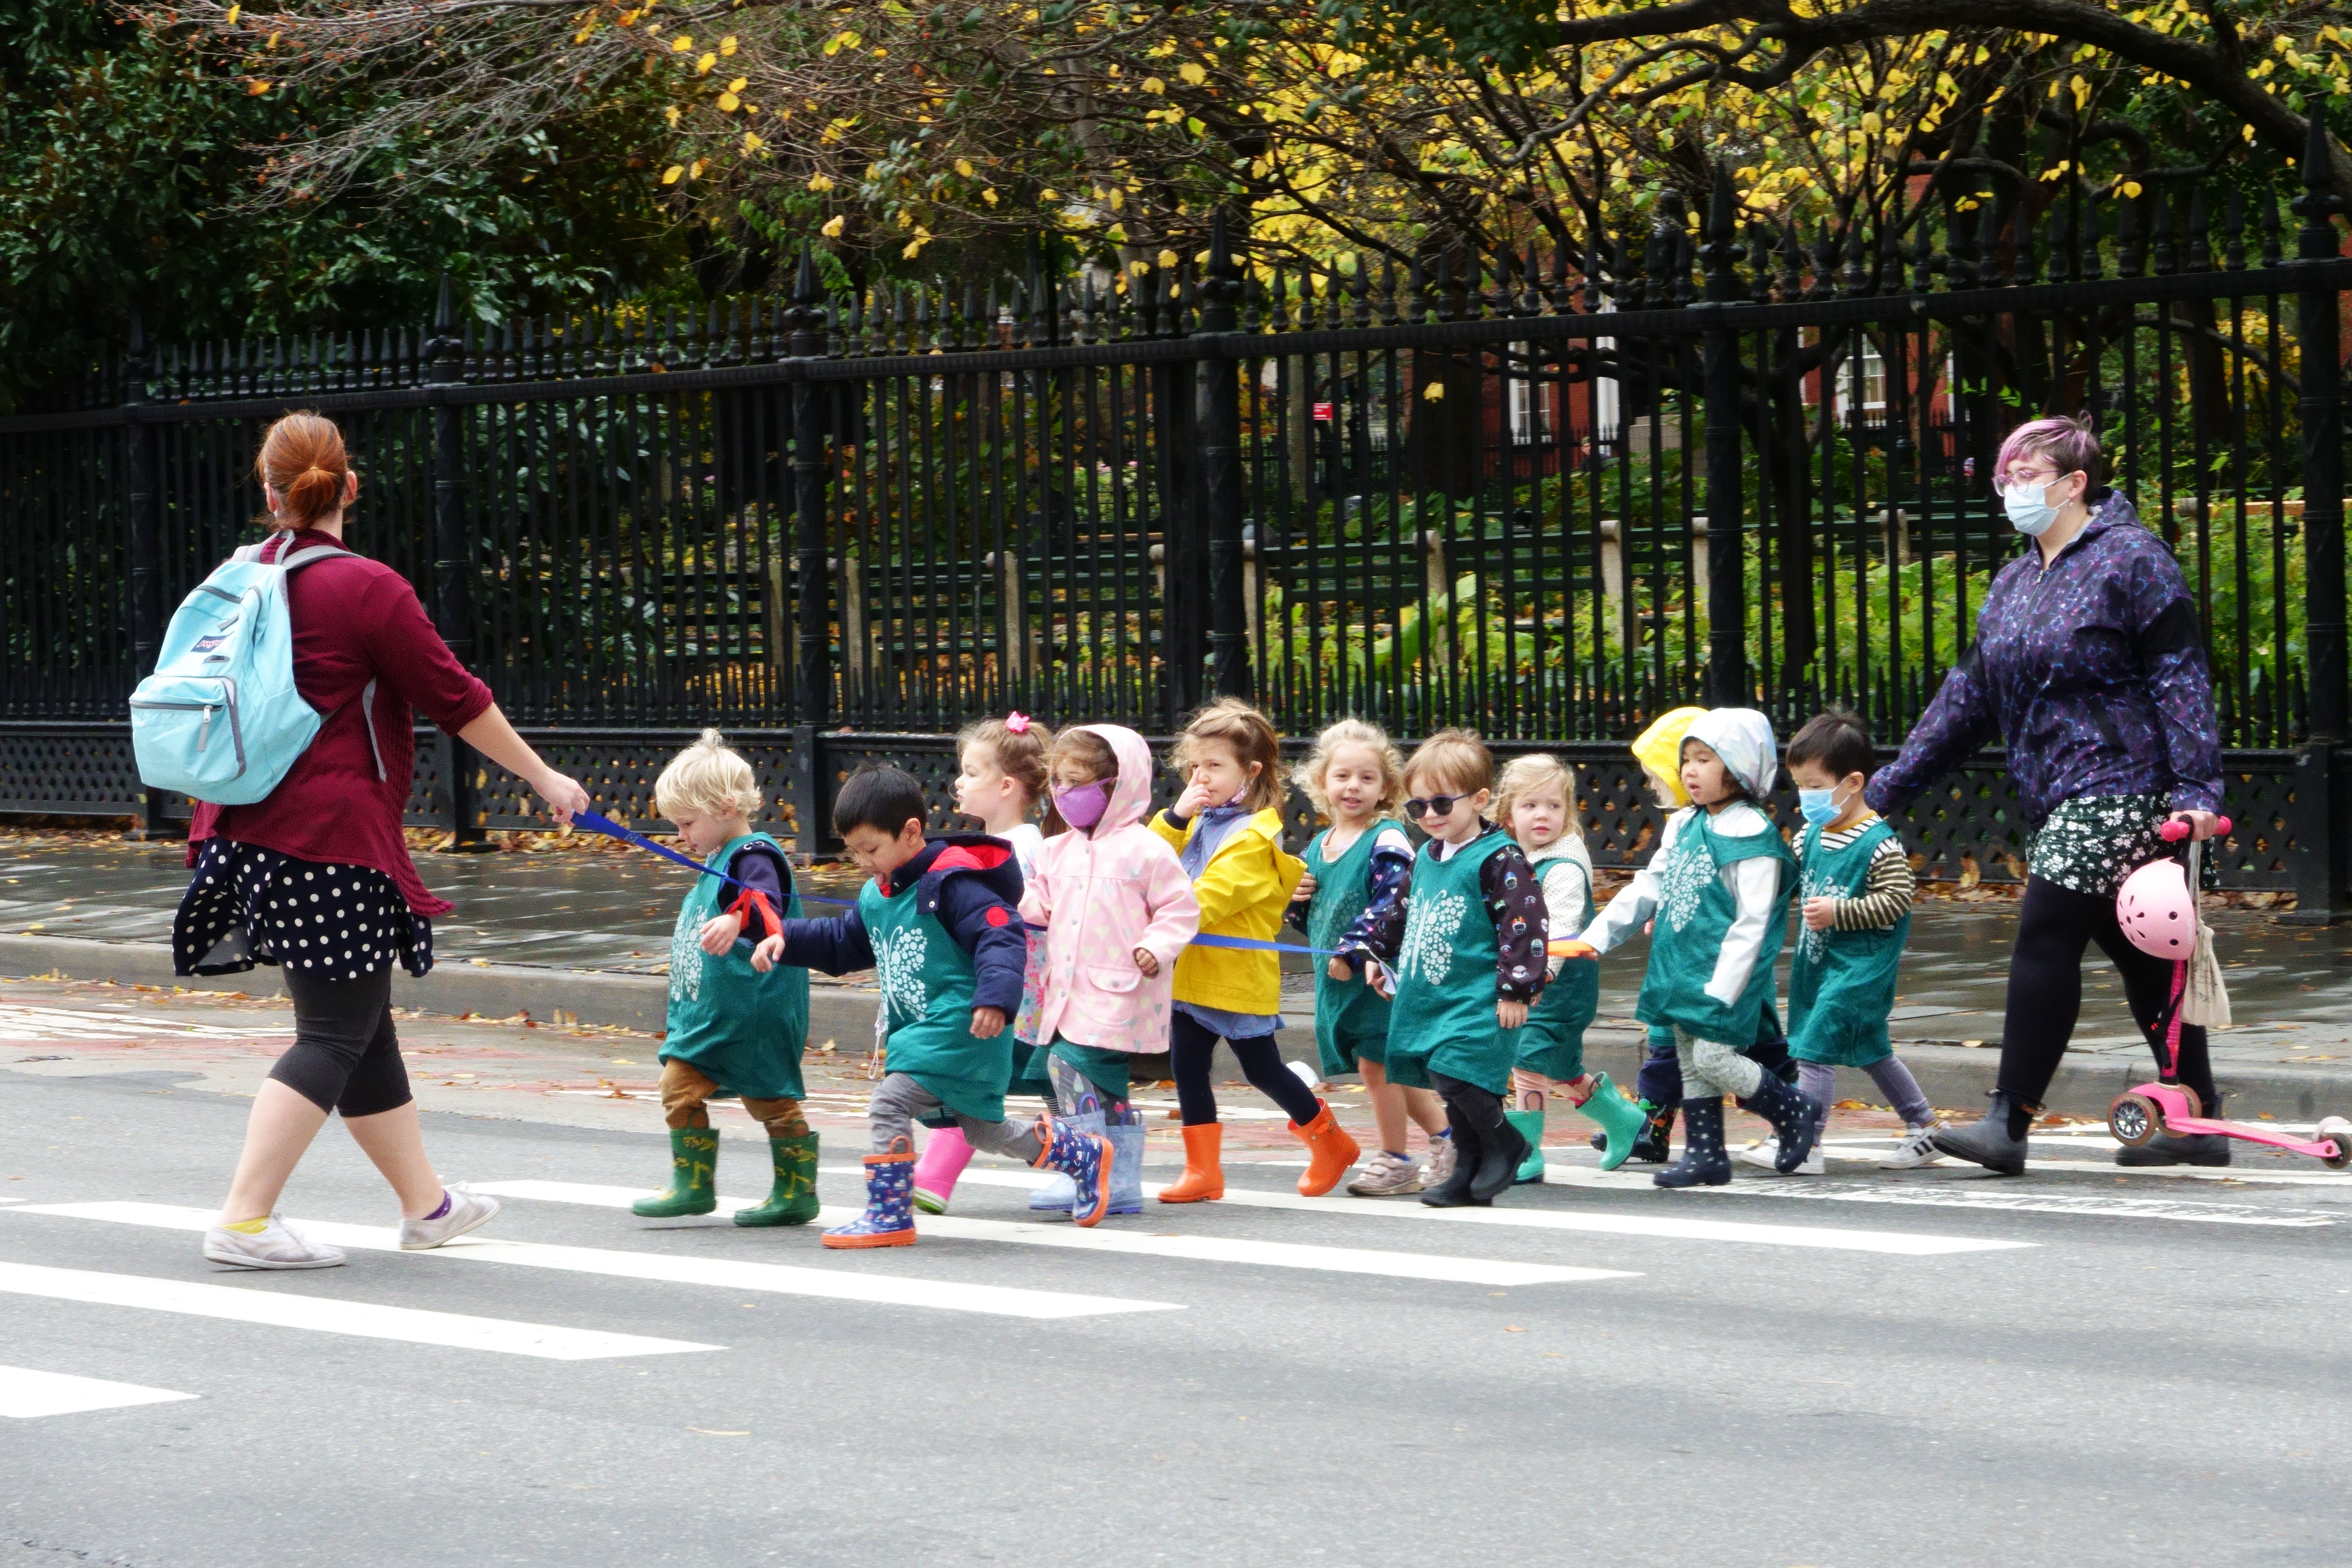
{"x": 2089, "y": 666}
{"x": 316, "y": 878}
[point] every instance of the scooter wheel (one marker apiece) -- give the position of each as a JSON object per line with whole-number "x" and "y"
{"x": 2335, "y": 1131}
{"x": 2134, "y": 1118}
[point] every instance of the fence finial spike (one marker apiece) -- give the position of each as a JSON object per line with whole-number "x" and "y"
{"x": 445, "y": 314}
{"x": 2319, "y": 203}
{"x": 804, "y": 289}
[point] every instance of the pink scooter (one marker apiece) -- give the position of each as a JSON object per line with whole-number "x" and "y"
{"x": 2157, "y": 911}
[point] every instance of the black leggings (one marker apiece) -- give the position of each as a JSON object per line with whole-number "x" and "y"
{"x": 345, "y": 1055}
{"x": 1192, "y": 1046}
{"x": 2054, "y": 924}
{"x": 1482, "y": 1108}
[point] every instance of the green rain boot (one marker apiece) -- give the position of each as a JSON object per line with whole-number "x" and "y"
{"x": 1531, "y": 1125}
{"x": 793, "y": 1200}
{"x": 693, "y": 1177}
{"x": 1621, "y": 1120}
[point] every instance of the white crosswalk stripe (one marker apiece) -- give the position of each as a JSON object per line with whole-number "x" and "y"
{"x": 844, "y": 1281}
{"x": 332, "y": 1315}
{"x": 1191, "y": 1248}
{"x": 1906, "y": 1244}
{"x": 27, "y": 1394}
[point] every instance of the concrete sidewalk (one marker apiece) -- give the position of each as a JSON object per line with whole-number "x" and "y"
{"x": 583, "y": 935}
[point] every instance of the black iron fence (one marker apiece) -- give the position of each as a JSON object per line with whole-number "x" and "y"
{"x": 1546, "y": 495}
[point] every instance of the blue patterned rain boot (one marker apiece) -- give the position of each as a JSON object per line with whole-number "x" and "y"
{"x": 1704, "y": 1163}
{"x": 1126, "y": 1163}
{"x": 1085, "y": 1158}
{"x": 889, "y": 1216}
{"x": 1057, "y": 1196}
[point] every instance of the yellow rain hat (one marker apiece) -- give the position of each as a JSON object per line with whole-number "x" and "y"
{"x": 1659, "y": 748}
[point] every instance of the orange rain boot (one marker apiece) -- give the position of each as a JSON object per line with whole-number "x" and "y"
{"x": 1330, "y": 1153}
{"x": 1205, "y": 1175}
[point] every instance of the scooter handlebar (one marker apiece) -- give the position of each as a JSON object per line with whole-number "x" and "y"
{"x": 2173, "y": 832}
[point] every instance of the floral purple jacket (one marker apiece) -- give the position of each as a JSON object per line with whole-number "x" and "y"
{"x": 2091, "y": 673}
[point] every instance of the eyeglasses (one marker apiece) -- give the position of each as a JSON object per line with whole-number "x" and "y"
{"x": 1441, "y": 804}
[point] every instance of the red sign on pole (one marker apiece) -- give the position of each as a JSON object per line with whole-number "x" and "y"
{"x": 1322, "y": 414}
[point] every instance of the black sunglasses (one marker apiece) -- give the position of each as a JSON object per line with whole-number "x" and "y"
{"x": 1443, "y": 804}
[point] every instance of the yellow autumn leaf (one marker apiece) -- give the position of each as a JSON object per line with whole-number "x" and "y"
{"x": 681, "y": 43}
{"x": 728, "y": 103}
{"x": 1049, "y": 196}
{"x": 702, "y": 67}
{"x": 963, "y": 166}
{"x": 1168, "y": 258}
{"x": 739, "y": 84}
{"x": 989, "y": 196}
{"x": 693, "y": 169}
{"x": 1154, "y": 85}
{"x": 726, "y": 45}
{"x": 670, "y": 114}
{"x": 1192, "y": 72}
{"x": 751, "y": 143}
{"x": 256, "y": 89}
{"x": 581, "y": 36}
{"x": 671, "y": 175}
{"x": 834, "y": 225}
{"x": 1433, "y": 392}
{"x": 233, "y": 13}
{"x": 820, "y": 182}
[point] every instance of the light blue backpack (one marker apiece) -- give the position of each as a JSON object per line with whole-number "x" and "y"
{"x": 220, "y": 720}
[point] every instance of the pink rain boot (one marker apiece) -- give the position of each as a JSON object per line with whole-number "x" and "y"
{"x": 944, "y": 1158}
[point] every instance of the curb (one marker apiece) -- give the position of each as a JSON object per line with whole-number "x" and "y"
{"x": 1954, "y": 1077}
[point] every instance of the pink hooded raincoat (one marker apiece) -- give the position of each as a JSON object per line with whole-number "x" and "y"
{"x": 1100, "y": 896}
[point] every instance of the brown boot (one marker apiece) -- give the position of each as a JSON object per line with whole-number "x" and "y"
{"x": 1330, "y": 1153}
{"x": 1205, "y": 1176}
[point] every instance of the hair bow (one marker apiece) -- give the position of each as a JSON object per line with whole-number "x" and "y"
{"x": 1017, "y": 723}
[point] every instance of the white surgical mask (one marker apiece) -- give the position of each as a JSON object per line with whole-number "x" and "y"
{"x": 2030, "y": 512}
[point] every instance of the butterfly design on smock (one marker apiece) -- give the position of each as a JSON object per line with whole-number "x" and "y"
{"x": 1430, "y": 924}
{"x": 685, "y": 956}
{"x": 1811, "y": 944}
{"x": 899, "y": 958}
{"x": 1683, "y": 879}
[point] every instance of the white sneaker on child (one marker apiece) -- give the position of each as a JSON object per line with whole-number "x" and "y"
{"x": 1917, "y": 1149}
{"x": 1386, "y": 1175}
{"x": 1764, "y": 1154}
{"x": 1441, "y": 1161}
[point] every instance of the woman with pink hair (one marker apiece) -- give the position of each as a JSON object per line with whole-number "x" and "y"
{"x": 2089, "y": 667}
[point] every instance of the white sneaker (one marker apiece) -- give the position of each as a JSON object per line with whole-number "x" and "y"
{"x": 1386, "y": 1176}
{"x": 275, "y": 1246}
{"x": 1441, "y": 1161}
{"x": 468, "y": 1210}
{"x": 1764, "y": 1154}
{"x": 1917, "y": 1149}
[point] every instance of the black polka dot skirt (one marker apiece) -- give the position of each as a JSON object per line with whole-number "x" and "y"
{"x": 246, "y": 905}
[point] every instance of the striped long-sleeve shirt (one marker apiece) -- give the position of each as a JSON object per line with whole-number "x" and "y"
{"x": 1886, "y": 895}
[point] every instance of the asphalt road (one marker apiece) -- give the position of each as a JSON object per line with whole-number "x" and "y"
{"x": 1931, "y": 1367}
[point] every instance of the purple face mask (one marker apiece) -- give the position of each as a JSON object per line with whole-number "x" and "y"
{"x": 1083, "y": 805}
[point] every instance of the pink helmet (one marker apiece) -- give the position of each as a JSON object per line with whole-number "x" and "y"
{"x": 2156, "y": 912}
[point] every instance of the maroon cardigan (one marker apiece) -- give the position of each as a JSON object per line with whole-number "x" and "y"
{"x": 354, "y": 621}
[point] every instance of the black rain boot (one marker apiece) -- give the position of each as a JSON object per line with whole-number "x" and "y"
{"x": 1704, "y": 1164}
{"x": 1796, "y": 1118}
{"x": 1500, "y": 1152}
{"x": 2196, "y": 1149}
{"x": 1469, "y": 1151}
{"x": 1655, "y": 1145}
{"x": 1997, "y": 1142}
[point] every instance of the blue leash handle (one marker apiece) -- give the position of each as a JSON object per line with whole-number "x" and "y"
{"x": 599, "y": 823}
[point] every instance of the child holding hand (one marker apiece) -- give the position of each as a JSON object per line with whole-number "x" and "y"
{"x": 999, "y": 778}
{"x": 1227, "y": 828}
{"x": 1117, "y": 910}
{"x": 1467, "y": 952}
{"x": 1536, "y": 806}
{"x": 1357, "y": 872}
{"x": 937, "y": 923}
{"x": 734, "y": 1028}
{"x": 1856, "y": 889}
{"x": 1717, "y": 889}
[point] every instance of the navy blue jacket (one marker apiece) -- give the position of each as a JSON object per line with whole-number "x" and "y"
{"x": 2092, "y": 674}
{"x": 971, "y": 884}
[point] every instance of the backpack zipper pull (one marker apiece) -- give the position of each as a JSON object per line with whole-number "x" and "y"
{"x": 204, "y": 729}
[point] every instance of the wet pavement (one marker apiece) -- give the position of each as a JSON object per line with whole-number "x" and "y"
{"x": 598, "y": 906}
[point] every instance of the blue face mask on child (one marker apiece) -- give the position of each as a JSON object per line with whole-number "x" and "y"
{"x": 1820, "y": 808}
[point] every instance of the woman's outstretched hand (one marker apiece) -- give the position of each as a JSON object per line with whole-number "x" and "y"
{"x": 563, "y": 794}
